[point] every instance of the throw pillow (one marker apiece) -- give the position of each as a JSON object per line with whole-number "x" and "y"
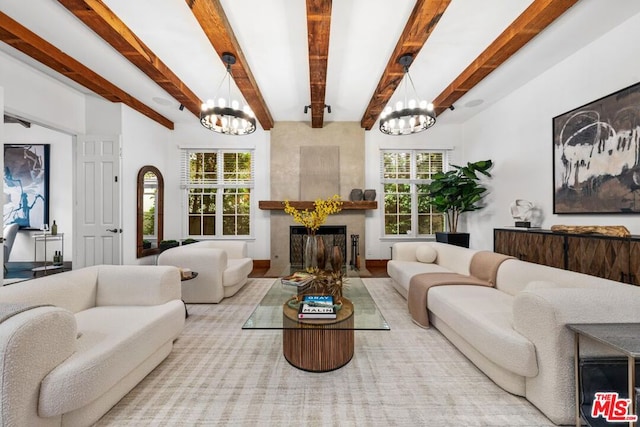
{"x": 426, "y": 254}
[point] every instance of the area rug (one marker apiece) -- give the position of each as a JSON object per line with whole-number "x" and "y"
{"x": 221, "y": 375}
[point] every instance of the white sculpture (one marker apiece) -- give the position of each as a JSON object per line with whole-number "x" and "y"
{"x": 521, "y": 210}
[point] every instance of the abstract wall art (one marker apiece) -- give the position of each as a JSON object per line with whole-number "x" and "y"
{"x": 26, "y": 185}
{"x": 596, "y": 156}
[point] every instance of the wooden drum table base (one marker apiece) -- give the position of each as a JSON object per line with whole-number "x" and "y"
{"x": 318, "y": 345}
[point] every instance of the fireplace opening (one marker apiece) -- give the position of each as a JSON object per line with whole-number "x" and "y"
{"x": 332, "y": 235}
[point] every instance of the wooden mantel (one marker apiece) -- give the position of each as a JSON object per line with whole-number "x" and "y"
{"x": 346, "y": 205}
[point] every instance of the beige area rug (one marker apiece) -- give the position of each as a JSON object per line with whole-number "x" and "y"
{"x": 221, "y": 375}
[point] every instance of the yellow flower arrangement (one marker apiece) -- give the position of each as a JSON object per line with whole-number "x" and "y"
{"x": 312, "y": 220}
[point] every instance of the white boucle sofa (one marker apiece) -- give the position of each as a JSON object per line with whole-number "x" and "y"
{"x": 515, "y": 330}
{"x": 223, "y": 268}
{"x": 98, "y": 332}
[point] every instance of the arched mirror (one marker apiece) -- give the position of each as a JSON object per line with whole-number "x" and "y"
{"x": 150, "y": 217}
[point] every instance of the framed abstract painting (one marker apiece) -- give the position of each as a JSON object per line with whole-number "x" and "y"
{"x": 26, "y": 185}
{"x": 596, "y": 156}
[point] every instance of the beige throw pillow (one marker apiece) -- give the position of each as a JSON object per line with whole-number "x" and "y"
{"x": 426, "y": 253}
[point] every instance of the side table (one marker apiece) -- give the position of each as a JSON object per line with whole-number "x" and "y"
{"x": 318, "y": 345}
{"x": 47, "y": 238}
{"x": 184, "y": 276}
{"x": 622, "y": 337}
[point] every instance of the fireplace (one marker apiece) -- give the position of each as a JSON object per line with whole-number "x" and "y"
{"x": 332, "y": 235}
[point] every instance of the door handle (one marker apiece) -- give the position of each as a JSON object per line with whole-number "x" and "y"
{"x": 114, "y": 230}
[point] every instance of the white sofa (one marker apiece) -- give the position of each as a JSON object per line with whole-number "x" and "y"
{"x": 84, "y": 339}
{"x": 515, "y": 330}
{"x": 223, "y": 268}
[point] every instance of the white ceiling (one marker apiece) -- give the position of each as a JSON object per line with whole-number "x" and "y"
{"x": 273, "y": 37}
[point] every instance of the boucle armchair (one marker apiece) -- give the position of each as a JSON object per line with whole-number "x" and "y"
{"x": 223, "y": 268}
{"x": 73, "y": 344}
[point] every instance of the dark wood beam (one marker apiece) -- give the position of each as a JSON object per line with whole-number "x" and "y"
{"x": 538, "y": 16}
{"x": 27, "y": 42}
{"x": 423, "y": 19}
{"x": 97, "y": 16}
{"x": 215, "y": 25}
{"x": 318, "y": 30}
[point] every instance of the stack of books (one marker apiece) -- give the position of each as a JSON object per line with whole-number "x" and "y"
{"x": 301, "y": 280}
{"x": 317, "y": 307}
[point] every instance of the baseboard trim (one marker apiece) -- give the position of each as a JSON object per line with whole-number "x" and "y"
{"x": 262, "y": 263}
{"x": 376, "y": 263}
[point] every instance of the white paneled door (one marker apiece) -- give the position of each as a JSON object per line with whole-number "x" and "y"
{"x": 99, "y": 233}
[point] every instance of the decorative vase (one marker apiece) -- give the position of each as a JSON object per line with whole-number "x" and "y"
{"x": 54, "y": 228}
{"x": 336, "y": 259}
{"x": 370, "y": 194}
{"x": 310, "y": 252}
{"x": 355, "y": 195}
{"x": 321, "y": 256}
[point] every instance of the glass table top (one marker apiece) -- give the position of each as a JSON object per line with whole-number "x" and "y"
{"x": 269, "y": 312}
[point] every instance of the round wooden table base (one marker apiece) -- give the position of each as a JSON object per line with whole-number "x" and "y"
{"x": 318, "y": 345}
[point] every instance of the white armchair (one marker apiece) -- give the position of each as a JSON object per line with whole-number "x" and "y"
{"x": 223, "y": 268}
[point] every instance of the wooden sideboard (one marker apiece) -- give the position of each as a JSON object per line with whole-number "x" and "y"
{"x": 615, "y": 258}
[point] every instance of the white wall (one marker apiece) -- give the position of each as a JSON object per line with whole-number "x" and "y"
{"x": 516, "y": 133}
{"x": 195, "y": 135}
{"x": 144, "y": 142}
{"x": 60, "y": 189}
{"x": 39, "y": 98}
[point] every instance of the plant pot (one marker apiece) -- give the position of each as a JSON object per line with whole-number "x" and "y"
{"x": 457, "y": 239}
{"x": 168, "y": 244}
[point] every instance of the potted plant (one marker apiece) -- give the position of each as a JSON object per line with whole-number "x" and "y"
{"x": 457, "y": 191}
{"x": 167, "y": 244}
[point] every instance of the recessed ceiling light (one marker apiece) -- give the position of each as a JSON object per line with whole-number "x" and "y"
{"x": 161, "y": 101}
{"x": 474, "y": 103}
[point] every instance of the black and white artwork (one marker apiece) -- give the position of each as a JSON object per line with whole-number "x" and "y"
{"x": 26, "y": 185}
{"x": 596, "y": 156}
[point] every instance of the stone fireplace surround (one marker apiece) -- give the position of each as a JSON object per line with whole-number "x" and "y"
{"x": 288, "y": 181}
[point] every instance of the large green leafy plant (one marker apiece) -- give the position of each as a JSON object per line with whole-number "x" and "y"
{"x": 458, "y": 190}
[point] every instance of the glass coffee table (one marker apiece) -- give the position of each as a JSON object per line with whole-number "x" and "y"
{"x": 318, "y": 345}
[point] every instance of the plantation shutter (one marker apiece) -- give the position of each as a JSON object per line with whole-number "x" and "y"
{"x": 217, "y": 168}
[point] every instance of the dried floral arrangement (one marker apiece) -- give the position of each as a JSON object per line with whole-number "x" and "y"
{"x": 312, "y": 220}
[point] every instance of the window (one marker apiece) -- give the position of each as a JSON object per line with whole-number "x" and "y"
{"x": 406, "y": 205}
{"x": 218, "y": 186}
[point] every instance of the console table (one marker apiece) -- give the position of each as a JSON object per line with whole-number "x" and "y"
{"x": 609, "y": 257}
{"x": 47, "y": 238}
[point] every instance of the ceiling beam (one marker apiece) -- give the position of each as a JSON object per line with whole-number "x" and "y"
{"x": 97, "y": 16}
{"x": 318, "y": 29}
{"x": 27, "y": 42}
{"x": 538, "y": 16}
{"x": 215, "y": 25}
{"x": 423, "y": 19}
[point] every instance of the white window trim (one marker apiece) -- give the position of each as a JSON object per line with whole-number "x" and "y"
{"x": 446, "y": 161}
{"x": 219, "y": 184}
